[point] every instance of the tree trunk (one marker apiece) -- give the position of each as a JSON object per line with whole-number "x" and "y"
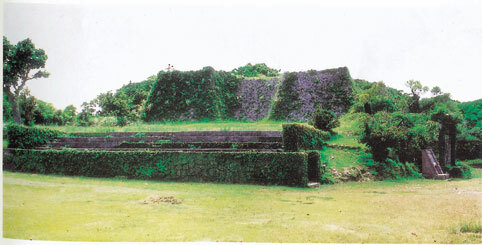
{"x": 15, "y": 108}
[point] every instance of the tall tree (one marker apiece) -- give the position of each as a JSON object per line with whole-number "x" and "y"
{"x": 417, "y": 89}
{"x": 21, "y": 63}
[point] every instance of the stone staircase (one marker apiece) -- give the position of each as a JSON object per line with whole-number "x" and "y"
{"x": 195, "y": 141}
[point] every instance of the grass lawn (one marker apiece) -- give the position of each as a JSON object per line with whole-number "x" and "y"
{"x": 340, "y": 158}
{"x": 41, "y": 207}
{"x": 264, "y": 125}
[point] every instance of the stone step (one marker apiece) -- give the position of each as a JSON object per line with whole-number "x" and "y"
{"x": 168, "y": 149}
{"x": 442, "y": 176}
{"x": 185, "y": 133}
{"x": 82, "y": 144}
{"x": 205, "y": 145}
{"x": 225, "y": 139}
{"x": 187, "y": 138}
{"x": 108, "y": 139}
{"x": 183, "y": 145}
{"x": 313, "y": 185}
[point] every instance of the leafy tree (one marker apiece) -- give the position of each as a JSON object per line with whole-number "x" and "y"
{"x": 137, "y": 94}
{"x": 21, "y": 63}
{"x": 28, "y": 107}
{"x": 417, "y": 89}
{"x": 58, "y": 119}
{"x": 115, "y": 105}
{"x": 7, "y": 110}
{"x": 378, "y": 97}
{"x": 436, "y": 91}
{"x": 472, "y": 112}
{"x": 44, "y": 113}
{"x": 68, "y": 115}
{"x": 85, "y": 117}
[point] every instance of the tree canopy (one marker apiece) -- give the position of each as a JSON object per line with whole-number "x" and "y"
{"x": 21, "y": 63}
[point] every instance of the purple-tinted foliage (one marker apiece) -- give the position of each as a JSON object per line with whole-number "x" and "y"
{"x": 255, "y": 96}
{"x": 319, "y": 88}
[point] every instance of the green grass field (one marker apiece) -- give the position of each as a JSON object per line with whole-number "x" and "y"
{"x": 264, "y": 125}
{"x": 340, "y": 158}
{"x": 43, "y": 207}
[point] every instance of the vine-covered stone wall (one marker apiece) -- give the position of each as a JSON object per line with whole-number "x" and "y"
{"x": 211, "y": 94}
{"x": 300, "y": 93}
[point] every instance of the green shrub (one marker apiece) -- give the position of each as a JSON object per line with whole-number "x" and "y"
{"x": 389, "y": 169}
{"x": 7, "y": 110}
{"x": 405, "y": 134}
{"x": 255, "y": 70}
{"x": 248, "y": 167}
{"x": 20, "y": 136}
{"x": 374, "y": 97}
{"x": 298, "y": 136}
{"x": 472, "y": 112}
{"x": 460, "y": 170}
{"x": 468, "y": 149}
{"x": 325, "y": 120}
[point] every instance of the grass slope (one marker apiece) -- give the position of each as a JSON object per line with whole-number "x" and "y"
{"x": 42, "y": 207}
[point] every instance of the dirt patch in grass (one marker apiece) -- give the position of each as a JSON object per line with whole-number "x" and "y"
{"x": 160, "y": 199}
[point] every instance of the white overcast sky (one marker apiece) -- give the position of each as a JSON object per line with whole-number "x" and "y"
{"x": 95, "y": 47}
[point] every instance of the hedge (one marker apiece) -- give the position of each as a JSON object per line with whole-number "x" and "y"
{"x": 298, "y": 136}
{"x": 289, "y": 169}
{"x": 20, "y": 136}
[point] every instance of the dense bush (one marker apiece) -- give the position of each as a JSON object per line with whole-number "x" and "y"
{"x": 247, "y": 167}
{"x": 301, "y": 92}
{"x": 255, "y": 70}
{"x": 298, "y": 136}
{"x": 460, "y": 170}
{"x": 33, "y": 111}
{"x": 389, "y": 168}
{"x": 403, "y": 135}
{"x": 7, "y": 110}
{"x": 127, "y": 103}
{"x": 27, "y": 105}
{"x": 116, "y": 105}
{"x": 47, "y": 114}
{"x": 374, "y": 97}
{"x": 69, "y": 114}
{"x": 471, "y": 127}
{"x": 193, "y": 95}
{"x": 472, "y": 112}
{"x": 86, "y": 116}
{"x": 325, "y": 120}
{"x": 137, "y": 93}
{"x": 20, "y": 136}
{"x": 468, "y": 149}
